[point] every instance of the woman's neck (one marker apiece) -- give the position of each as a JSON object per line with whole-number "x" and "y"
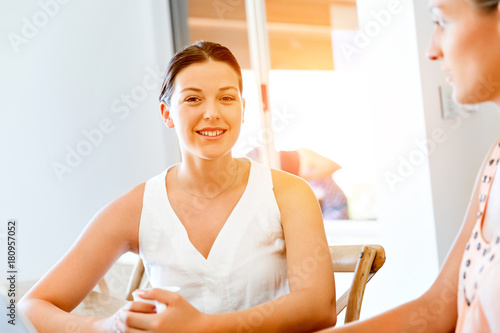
{"x": 206, "y": 178}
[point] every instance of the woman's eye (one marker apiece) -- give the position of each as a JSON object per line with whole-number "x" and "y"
{"x": 228, "y": 98}
{"x": 192, "y": 99}
{"x": 440, "y": 23}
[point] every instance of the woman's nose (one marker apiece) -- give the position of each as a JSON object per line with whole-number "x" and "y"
{"x": 211, "y": 111}
{"x": 433, "y": 49}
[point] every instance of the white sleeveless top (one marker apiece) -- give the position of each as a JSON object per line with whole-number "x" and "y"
{"x": 246, "y": 265}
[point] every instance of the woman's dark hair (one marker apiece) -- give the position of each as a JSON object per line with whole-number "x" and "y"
{"x": 486, "y": 6}
{"x": 201, "y": 51}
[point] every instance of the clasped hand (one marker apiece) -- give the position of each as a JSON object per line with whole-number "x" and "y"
{"x": 179, "y": 316}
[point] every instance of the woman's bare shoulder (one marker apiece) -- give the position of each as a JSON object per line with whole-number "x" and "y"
{"x": 121, "y": 217}
{"x": 290, "y": 189}
{"x": 131, "y": 201}
{"x": 284, "y": 181}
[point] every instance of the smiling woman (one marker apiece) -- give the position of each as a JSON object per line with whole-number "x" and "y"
{"x": 232, "y": 234}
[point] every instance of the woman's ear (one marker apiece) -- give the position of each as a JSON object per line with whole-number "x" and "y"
{"x": 165, "y": 114}
{"x": 243, "y": 111}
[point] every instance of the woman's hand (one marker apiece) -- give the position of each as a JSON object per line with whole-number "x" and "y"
{"x": 112, "y": 324}
{"x": 180, "y": 316}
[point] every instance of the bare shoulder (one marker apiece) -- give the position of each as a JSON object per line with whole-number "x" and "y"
{"x": 286, "y": 184}
{"x": 294, "y": 196}
{"x": 122, "y": 216}
{"x": 130, "y": 202}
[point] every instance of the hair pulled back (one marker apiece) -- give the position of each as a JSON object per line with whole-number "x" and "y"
{"x": 201, "y": 51}
{"x": 486, "y": 6}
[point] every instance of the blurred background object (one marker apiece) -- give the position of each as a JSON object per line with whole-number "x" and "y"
{"x": 319, "y": 172}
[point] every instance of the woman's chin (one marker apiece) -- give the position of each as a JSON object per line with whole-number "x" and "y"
{"x": 464, "y": 98}
{"x": 474, "y": 95}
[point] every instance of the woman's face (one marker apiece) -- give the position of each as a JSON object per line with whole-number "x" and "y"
{"x": 468, "y": 44}
{"x": 206, "y": 109}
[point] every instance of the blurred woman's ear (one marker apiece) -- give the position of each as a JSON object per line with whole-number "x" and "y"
{"x": 243, "y": 111}
{"x": 165, "y": 114}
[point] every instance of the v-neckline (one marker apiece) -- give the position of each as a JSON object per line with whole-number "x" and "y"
{"x": 225, "y": 226}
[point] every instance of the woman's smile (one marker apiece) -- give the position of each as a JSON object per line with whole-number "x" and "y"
{"x": 211, "y": 133}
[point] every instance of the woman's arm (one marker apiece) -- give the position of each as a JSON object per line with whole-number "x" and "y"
{"x": 436, "y": 309}
{"x": 112, "y": 232}
{"x": 311, "y": 302}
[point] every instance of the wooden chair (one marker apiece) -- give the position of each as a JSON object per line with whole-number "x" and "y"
{"x": 361, "y": 260}
{"x": 137, "y": 280}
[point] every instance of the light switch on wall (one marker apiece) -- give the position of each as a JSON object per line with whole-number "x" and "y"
{"x": 449, "y": 107}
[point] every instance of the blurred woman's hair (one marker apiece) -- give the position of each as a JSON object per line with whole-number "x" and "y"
{"x": 486, "y": 6}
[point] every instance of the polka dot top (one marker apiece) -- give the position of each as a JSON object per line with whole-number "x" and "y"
{"x": 480, "y": 267}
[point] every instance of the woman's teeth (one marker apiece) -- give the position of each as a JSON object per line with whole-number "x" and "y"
{"x": 211, "y": 133}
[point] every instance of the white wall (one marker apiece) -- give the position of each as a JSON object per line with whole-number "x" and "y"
{"x": 82, "y": 66}
{"x": 466, "y": 139}
{"x": 388, "y": 56}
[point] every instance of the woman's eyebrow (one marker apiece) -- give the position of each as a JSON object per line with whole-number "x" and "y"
{"x": 228, "y": 87}
{"x": 436, "y": 11}
{"x": 200, "y": 90}
{"x": 433, "y": 9}
{"x": 191, "y": 88}
{"x": 436, "y": 6}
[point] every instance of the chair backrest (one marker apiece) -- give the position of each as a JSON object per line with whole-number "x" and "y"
{"x": 137, "y": 280}
{"x": 362, "y": 260}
